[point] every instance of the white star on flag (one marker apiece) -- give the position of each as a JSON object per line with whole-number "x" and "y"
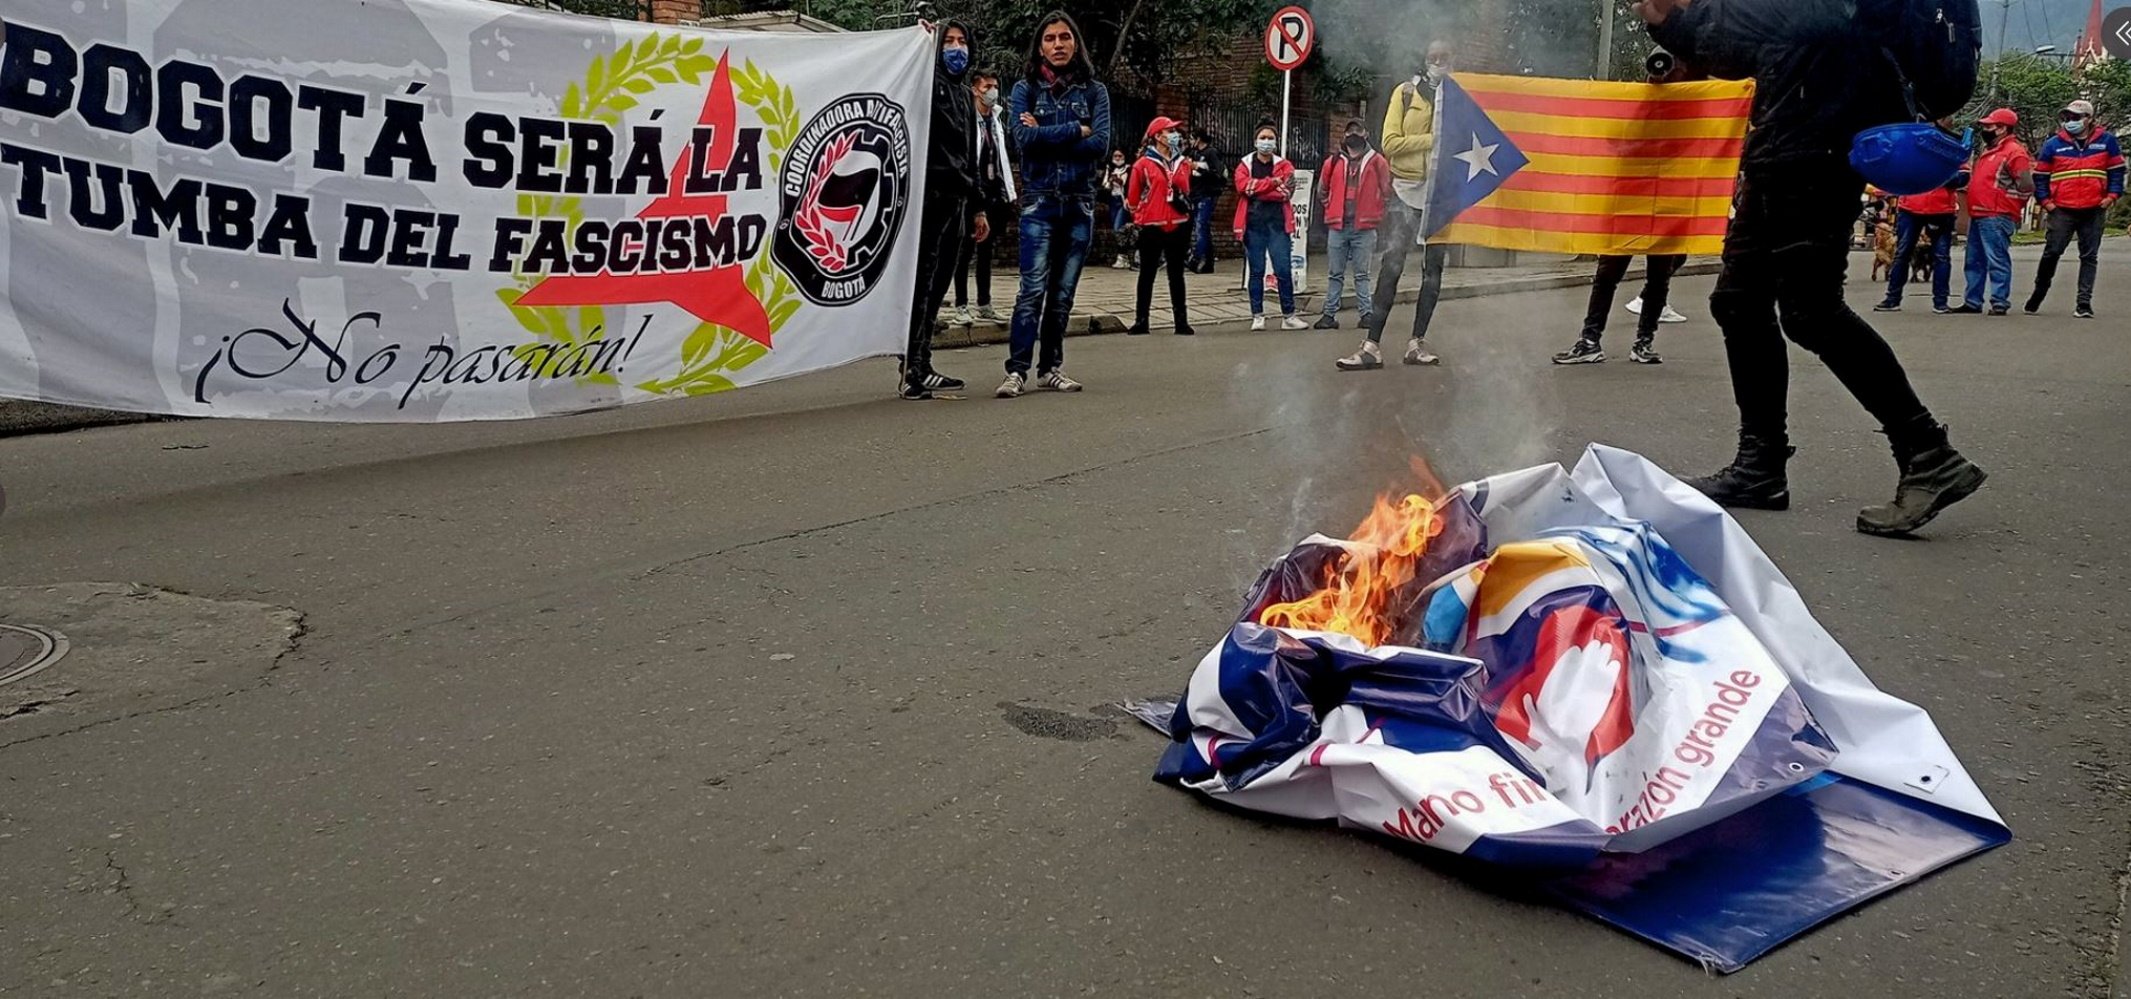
{"x": 1479, "y": 159}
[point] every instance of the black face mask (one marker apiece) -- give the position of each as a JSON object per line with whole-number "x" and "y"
{"x": 1357, "y": 145}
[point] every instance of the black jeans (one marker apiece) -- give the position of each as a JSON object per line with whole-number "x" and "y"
{"x": 1166, "y": 247}
{"x": 1784, "y": 261}
{"x": 1401, "y": 222}
{"x": 2065, "y": 223}
{"x": 939, "y": 236}
{"x": 1657, "y": 290}
{"x": 981, "y": 255}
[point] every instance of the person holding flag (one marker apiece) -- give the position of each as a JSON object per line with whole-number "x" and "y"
{"x": 1823, "y": 76}
{"x": 1408, "y": 142}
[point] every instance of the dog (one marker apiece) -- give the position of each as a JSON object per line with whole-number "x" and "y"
{"x": 1882, "y": 250}
{"x": 1922, "y": 261}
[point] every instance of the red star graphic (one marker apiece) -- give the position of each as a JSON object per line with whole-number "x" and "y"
{"x": 718, "y": 295}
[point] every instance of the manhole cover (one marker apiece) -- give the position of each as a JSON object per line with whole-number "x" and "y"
{"x": 27, "y": 649}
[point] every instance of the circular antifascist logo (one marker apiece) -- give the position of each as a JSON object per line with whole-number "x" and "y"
{"x": 845, "y": 189}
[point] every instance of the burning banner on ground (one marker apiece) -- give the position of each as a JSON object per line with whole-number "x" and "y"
{"x": 1594, "y": 678}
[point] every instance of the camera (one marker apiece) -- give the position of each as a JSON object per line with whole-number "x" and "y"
{"x": 1659, "y": 63}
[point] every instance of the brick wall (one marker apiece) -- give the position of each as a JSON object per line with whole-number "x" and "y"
{"x": 676, "y": 11}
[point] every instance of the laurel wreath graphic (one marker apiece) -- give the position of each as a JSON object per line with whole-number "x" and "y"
{"x": 822, "y": 245}
{"x": 611, "y": 87}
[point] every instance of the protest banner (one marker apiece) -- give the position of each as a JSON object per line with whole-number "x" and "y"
{"x": 436, "y": 210}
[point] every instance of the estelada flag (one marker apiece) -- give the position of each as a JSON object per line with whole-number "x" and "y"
{"x": 1586, "y": 166}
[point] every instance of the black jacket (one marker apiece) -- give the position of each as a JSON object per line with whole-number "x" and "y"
{"x": 1821, "y": 76}
{"x": 954, "y": 167}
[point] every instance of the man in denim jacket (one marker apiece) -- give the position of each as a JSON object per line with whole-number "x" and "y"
{"x": 1061, "y": 123}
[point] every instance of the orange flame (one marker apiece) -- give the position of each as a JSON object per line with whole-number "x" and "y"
{"x": 1382, "y": 557}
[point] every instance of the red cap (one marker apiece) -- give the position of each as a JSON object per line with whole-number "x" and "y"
{"x": 1160, "y": 125}
{"x": 2002, "y": 116}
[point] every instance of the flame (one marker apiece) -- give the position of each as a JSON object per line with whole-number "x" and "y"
{"x": 1381, "y": 557}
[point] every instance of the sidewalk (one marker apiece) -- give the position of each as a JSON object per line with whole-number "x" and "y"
{"x": 1108, "y": 296}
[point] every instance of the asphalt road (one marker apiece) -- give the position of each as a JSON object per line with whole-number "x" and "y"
{"x": 798, "y": 691}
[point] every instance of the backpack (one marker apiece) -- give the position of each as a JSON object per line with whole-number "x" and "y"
{"x": 1936, "y": 46}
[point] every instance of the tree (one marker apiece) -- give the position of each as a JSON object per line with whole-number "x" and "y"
{"x": 1153, "y": 32}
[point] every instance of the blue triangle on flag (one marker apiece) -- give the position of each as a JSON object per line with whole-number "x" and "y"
{"x": 1472, "y": 157}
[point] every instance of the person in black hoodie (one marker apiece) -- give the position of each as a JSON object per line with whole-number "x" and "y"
{"x": 1821, "y": 76}
{"x": 956, "y": 191}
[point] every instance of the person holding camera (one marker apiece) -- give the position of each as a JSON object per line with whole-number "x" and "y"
{"x": 1823, "y": 75}
{"x": 1158, "y": 194}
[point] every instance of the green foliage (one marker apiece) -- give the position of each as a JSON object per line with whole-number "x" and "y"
{"x": 1160, "y": 30}
{"x": 2036, "y": 88}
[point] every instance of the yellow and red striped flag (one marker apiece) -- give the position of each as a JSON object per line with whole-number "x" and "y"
{"x": 1592, "y": 166}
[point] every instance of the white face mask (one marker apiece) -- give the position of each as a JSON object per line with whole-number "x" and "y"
{"x": 1266, "y": 146}
{"x": 1173, "y": 139}
{"x": 1436, "y": 73}
{"x": 2076, "y": 126}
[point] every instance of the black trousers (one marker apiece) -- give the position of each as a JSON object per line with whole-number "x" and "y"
{"x": 979, "y": 254}
{"x": 939, "y": 235}
{"x": 1657, "y": 290}
{"x": 1395, "y": 237}
{"x": 1166, "y": 247}
{"x": 1784, "y": 261}
{"x": 2064, "y": 225}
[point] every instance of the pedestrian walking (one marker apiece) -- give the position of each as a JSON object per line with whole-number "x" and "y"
{"x": 1926, "y": 220}
{"x": 1789, "y": 245}
{"x": 1061, "y": 116}
{"x": 998, "y": 176}
{"x": 1158, "y": 192}
{"x": 1408, "y": 140}
{"x": 1113, "y": 187}
{"x": 1657, "y": 289}
{"x": 1205, "y": 194}
{"x": 955, "y": 195}
{"x": 1265, "y": 222}
{"x": 1356, "y": 182}
{"x": 1999, "y": 185}
{"x": 2078, "y": 174}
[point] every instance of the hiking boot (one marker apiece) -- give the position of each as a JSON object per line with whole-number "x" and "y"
{"x": 1888, "y": 307}
{"x": 1754, "y": 480}
{"x": 1931, "y": 481}
{"x": 1327, "y": 323}
{"x": 1369, "y": 358}
{"x": 2083, "y": 312}
{"x": 933, "y": 381}
{"x": 1584, "y": 351}
{"x": 1057, "y": 381}
{"x": 1294, "y": 322}
{"x": 1644, "y": 351}
{"x": 1417, "y": 353}
{"x": 1011, "y": 388}
{"x": 961, "y": 317}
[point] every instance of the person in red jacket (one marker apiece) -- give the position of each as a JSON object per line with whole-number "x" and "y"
{"x": 1157, "y": 193}
{"x": 1933, "y": 216}
{"x": 2078, "y": 174}
{"x": 1354, "y": 183}
{"x": 1265, "y": 222}
{"x": 1997, "y": 195}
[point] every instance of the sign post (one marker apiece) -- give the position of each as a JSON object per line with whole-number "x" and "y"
{"x": 1288, "y": 40}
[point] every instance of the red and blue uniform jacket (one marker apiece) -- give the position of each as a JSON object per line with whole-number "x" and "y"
{"x": 2074, "y": 174}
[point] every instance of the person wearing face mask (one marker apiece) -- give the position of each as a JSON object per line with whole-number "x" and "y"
{"x": 955, "y": 193}
{"x": 1158, "y": 195}
{"x": 1355, "y": 184}
{"x": 1265, "y": 222}
{"x": 998, "y": 181}
{"x": 1408, "y": 139}
{"x": 1999, "y": 184}
{"x": 1205, "y": 193}
{"x": 2079, "y": 173}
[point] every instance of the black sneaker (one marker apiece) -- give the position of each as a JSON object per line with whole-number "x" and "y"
{"x": 1755, "y": 480}
{"x": 1584, "y": 351}
{"x": 934, "y": 381}
{"x": 1327, "y": 323}
{"x": 2001, "y": 310}
{"x": 1186, "y": 331}
{"x": 913, "y": 392}
{"x": 2083, "y": 312}
{"x": 1940, "y": 310}
{"x": 1644, "y": 352}
{"x": 1965, "y": 309}
{"x": 1888, "y": 307}
{"x": 1931, "y": 482}
{"x": 1138, "y": 329}
{"x": 2032, "y": 307}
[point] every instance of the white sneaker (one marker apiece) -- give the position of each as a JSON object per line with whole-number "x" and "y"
{"x": 987, "y": 313}
{"x": 1057, "y": 381}
{"x": 1671, "y": 315}
{"x": 1368, "y": 358}
{"x": 1635, "y": 306}
{"x": 1120, "y": 264}
{"x": 1011, "y": 387}
{"x": 1293, "y": 322}
{"x": 1417, "y": 353}
{"x": 1257, "y": 324}
{"x": 961, "y": 317}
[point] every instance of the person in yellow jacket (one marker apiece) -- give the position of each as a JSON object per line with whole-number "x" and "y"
{"x": 1408, "y": 140}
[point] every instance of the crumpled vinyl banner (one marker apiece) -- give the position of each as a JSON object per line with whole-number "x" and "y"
{"x": 1659, "y": 736}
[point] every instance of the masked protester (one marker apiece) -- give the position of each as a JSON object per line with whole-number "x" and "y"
{"x": 985, "y": 83}
{"x": 2078, "y": 174}
{"x": 1932, "y": 216}
{"x": 1408, "y": 139}
{"x": 1265, "y": 222}
{"x": 1061, "y": 117}
{"x": 1205, "y": 193}
{"x": 1159, "y": 193}
{"x": 2000, "y": 183}
{"x": 1355, "y": 183}
{"x": 955, "y": 195}
{"x": 1821, "y": 78}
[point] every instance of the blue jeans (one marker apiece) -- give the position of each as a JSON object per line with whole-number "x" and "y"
{"x": 1055, "y": 233}
{"x": 1202, "y": 224}
{"x": 1990, "y": 253}
{"x": 1346, "y": 248}
{"x": 1908, "y": 231}
{"x": 1263, "y": 238}
{"x": 1118, "y": 216}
